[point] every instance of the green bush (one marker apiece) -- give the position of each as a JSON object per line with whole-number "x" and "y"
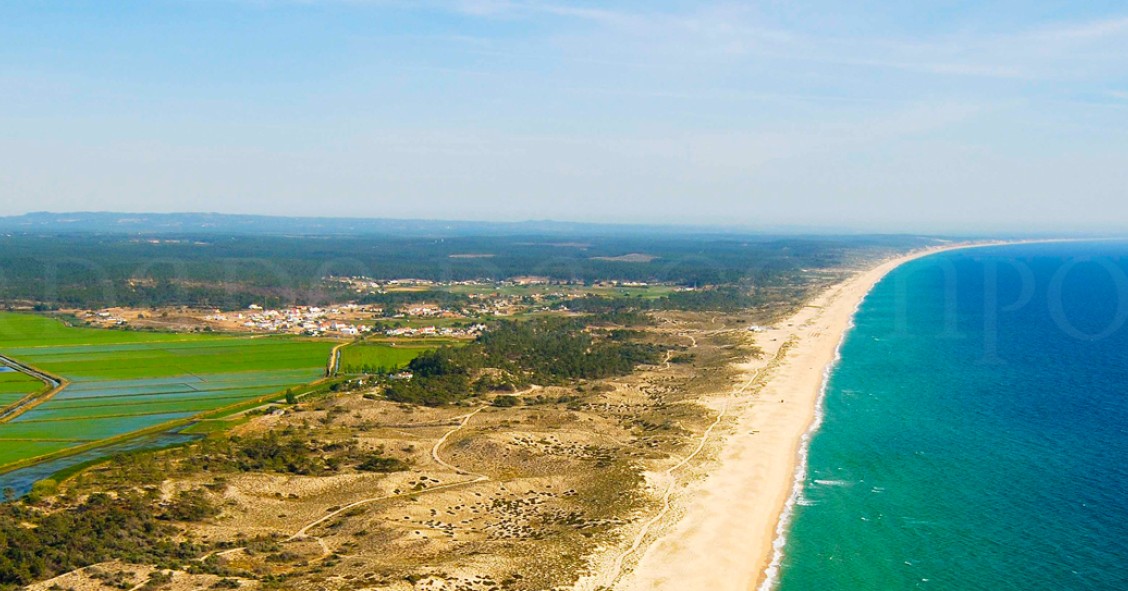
{"x": 378, "y": 463}
{"x": 41, "y": 490}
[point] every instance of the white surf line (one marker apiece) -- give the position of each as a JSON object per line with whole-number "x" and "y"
{"x": 616, "y": 571}
{"x": 799, "y": 477}
{"x": 783, "y": 525}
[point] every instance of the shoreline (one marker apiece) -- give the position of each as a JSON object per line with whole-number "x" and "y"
{"x": 731, "y": 529}
{"x": 769, "y": 577}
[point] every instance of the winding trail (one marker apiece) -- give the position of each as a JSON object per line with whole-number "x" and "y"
{"x": 442, "y": 440}
{"x": 302, "y": 533}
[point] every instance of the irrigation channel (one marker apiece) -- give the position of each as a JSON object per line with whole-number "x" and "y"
{"x": 53, "y": 385}
{"x": 18, "y": 482}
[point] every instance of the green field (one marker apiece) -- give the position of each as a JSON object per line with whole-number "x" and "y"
{"x": 125, "y": 381}
{"x": 358, "y": 357}
{"x": 15, "y": 385}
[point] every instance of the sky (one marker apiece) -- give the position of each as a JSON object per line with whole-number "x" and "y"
{"x": 923, "y": 116}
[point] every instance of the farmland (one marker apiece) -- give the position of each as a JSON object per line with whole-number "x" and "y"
{"x": 125, "y": 381}
{"x": 15, "y": 385}
{"x": 373, "y": 356}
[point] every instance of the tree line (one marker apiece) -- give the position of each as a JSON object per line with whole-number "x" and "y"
{"x": 231, "y": 271}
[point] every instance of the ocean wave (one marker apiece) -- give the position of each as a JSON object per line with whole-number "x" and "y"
{"x": 771, "y": 573}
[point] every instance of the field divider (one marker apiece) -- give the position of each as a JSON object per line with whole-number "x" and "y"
{"x": 334, "y": 364}
{"x": 219, "y": 394}
{"x": 52, "y": 385}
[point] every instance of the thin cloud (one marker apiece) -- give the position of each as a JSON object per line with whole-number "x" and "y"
{"x": 719, "y": 29}
{"x": 1092, "y": 30}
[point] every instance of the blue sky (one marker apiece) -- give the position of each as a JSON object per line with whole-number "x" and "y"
{"x": 913, "y": 116}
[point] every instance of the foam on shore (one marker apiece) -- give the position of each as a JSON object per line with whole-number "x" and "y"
{"x": 771, "y": 572}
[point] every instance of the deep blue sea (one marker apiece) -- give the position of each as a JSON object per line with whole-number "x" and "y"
{"x": 975, "y": 430}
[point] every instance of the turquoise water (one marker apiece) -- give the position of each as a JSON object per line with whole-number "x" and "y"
{"x": 975, "y": 430}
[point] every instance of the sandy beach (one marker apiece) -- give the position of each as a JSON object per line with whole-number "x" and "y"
{"x": 722, "y": 526}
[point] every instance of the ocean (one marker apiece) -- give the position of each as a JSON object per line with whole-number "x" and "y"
{"x": 974, "y": 432}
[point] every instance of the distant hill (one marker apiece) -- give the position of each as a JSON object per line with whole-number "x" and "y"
{"x": 228, "y": 224}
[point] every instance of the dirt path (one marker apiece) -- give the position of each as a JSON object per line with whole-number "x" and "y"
{"x": 304, "y": 531}
{"x": 442, "y": 440}
{"x": 334, "y": 363}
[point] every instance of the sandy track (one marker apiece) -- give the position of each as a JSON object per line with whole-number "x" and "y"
{"x": 304, "y": 531}
{"x": 442, "y": 441}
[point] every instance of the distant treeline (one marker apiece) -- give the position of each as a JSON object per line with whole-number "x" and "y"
{"x": 719, "y": 298}
{"x": 101, "y": 270}
{"x": 394, "y": 300}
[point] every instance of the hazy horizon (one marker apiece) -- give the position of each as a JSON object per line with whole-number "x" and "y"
{"x": 136, "y": 222}
{"x": 953, "y": 118}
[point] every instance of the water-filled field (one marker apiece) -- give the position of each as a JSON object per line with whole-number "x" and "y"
{"x": 15, "y": 385}
{"x": 123, "y": 381}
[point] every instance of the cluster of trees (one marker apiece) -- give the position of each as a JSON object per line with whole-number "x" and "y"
{"x": 378, "y": 463}
{"x": 558, "y": 350}
{"x": 289, "y": 451}
{"x": 628, "y": 311}
{"x": 431, "y": 389}
{"x": 393, "y": 301}
{"x": 543, "y": 351}
{"x": 137, "y": 526}
{"x": 726, "y": 298}
{"x": 36, "y": 545}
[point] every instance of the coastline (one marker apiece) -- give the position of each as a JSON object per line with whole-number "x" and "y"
{"x": 730, "y": 529}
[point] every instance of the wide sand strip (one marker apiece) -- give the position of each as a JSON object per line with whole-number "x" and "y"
{"x": 721, "y": 538}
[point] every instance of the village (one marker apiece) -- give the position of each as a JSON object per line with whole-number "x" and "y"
{"x": 348, "y": 320}
{"x": 395, "y": 308}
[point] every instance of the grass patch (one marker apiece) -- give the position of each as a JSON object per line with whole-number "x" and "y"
{"x": 371, "y": 357}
